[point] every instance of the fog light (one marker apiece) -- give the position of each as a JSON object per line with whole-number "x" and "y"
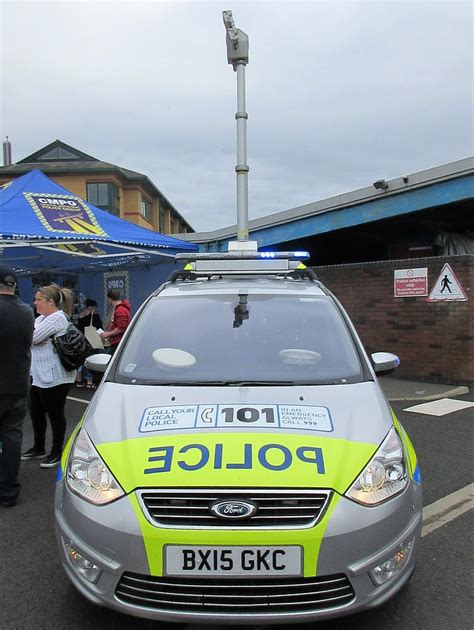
{"x": 82, "y": 565}
{"x": 385, "y": 571}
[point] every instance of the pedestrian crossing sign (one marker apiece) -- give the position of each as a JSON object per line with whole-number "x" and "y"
{"x": 447, "y": 287}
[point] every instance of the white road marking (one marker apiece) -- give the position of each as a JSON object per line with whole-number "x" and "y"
{"x": 447, "y": 509}
{"x": 81, "y": 400}
{"x": 440, "y": 407}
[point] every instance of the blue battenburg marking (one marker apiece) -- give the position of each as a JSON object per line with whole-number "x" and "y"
{"x": 417, "y": 474}
{"x": 59, "y": 474}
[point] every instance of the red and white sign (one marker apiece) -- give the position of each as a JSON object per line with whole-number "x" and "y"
{"x": 411, "y": 282}
{"x": 447, "y": 287}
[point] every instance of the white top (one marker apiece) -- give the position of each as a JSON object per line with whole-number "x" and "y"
{"x": 46, "y": 368}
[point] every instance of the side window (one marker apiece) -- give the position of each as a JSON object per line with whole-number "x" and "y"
{"x": 146, "y": 209}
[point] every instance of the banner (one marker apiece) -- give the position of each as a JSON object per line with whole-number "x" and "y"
{"x": 64, "y": 214}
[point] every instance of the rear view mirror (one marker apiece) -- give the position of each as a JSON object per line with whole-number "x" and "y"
{"x": 98, "y": 362}
{"x": 384, "y": 362}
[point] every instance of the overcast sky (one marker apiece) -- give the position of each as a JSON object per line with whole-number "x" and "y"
{"x": 339, "y": 94}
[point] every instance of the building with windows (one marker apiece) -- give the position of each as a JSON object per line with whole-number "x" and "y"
{"x": 127, "y": 194}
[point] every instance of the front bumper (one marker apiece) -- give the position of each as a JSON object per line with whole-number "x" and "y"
{"x": 355, "y": 540}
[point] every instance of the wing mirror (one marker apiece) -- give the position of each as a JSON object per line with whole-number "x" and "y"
{"x": 384, "y": 362}
{"x": 98, "y": 362}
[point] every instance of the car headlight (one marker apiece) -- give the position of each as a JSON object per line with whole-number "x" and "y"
{"x": 384, "y": 476}
{"x": 88, "y": 476}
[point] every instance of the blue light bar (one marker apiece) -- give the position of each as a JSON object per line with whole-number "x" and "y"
{"x": 241, "y": 255}
{"x": 283, "y": 254}
{"x": 301, "y": 254}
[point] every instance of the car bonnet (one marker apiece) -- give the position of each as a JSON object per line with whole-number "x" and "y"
{"x": 237, "y": 436}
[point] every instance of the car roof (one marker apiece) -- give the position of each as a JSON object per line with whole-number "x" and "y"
{"x": 252, "y": 284}
{"x": 244, "y": 270}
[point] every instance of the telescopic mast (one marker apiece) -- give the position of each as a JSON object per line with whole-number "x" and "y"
{"x": 238, "y": 55}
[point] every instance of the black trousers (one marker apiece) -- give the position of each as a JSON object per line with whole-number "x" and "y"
{"x": 12, "y": 413}
{"x": 50, "y": 401}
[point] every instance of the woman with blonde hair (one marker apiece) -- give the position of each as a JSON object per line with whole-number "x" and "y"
{"x": 50, "y": 380}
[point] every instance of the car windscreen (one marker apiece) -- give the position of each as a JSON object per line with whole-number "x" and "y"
{"x": 239, "y": 338}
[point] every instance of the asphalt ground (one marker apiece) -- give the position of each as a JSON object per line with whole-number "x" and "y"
{"x": 35, "y": 592}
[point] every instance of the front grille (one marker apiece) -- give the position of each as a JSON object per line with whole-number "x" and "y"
{"x": 276, "y": 509}
{"x": 235, "y": 596}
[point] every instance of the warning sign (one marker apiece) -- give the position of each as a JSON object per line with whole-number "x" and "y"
{"x": 410, "y": 282}
{"x": 447, "y": 287}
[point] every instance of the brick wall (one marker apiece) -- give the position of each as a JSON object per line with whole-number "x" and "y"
{"x": 434, "y": 340}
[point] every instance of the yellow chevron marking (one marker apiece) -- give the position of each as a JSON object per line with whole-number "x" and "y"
{"x": 82, "y": 227}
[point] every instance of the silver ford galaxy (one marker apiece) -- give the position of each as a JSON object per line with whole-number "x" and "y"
{"x": 239, "y": 461}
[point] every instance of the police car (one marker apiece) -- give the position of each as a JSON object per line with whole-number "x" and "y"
{"x": 239, "y": 461}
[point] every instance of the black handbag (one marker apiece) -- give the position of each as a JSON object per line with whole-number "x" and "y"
{"x": 72, "y": 348}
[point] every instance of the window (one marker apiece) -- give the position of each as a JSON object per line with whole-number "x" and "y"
{"x": 295, "y": 339}
{"x": 58, "y": 153}
{"x": 145, "y": 209}
{"x": 161, "y": 227}
{"x": 105, "y": 196}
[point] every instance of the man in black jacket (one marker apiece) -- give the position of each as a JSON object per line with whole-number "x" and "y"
{"x": 16, "y": 335}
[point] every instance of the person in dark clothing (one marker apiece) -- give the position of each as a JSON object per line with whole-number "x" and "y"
{"x": 87, "y": 317}
{"x": 120, "y": 319}
{"x": 16, "y": 334}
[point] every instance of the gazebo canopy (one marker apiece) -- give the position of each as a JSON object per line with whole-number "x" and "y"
{"x": 43, "y": 226}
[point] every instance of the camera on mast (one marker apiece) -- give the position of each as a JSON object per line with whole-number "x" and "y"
{"x": 236, "y": 40}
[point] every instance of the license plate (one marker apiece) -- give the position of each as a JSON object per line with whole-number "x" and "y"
{"x": 198, "y": 560}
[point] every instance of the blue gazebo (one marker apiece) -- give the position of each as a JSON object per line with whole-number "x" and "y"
{"x": 44, "y": 228}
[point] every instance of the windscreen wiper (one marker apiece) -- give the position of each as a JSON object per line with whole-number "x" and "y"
{"x": 237, "y": 383}
{"x": 256, "y": 383}
{"x": 218, "y": 383}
